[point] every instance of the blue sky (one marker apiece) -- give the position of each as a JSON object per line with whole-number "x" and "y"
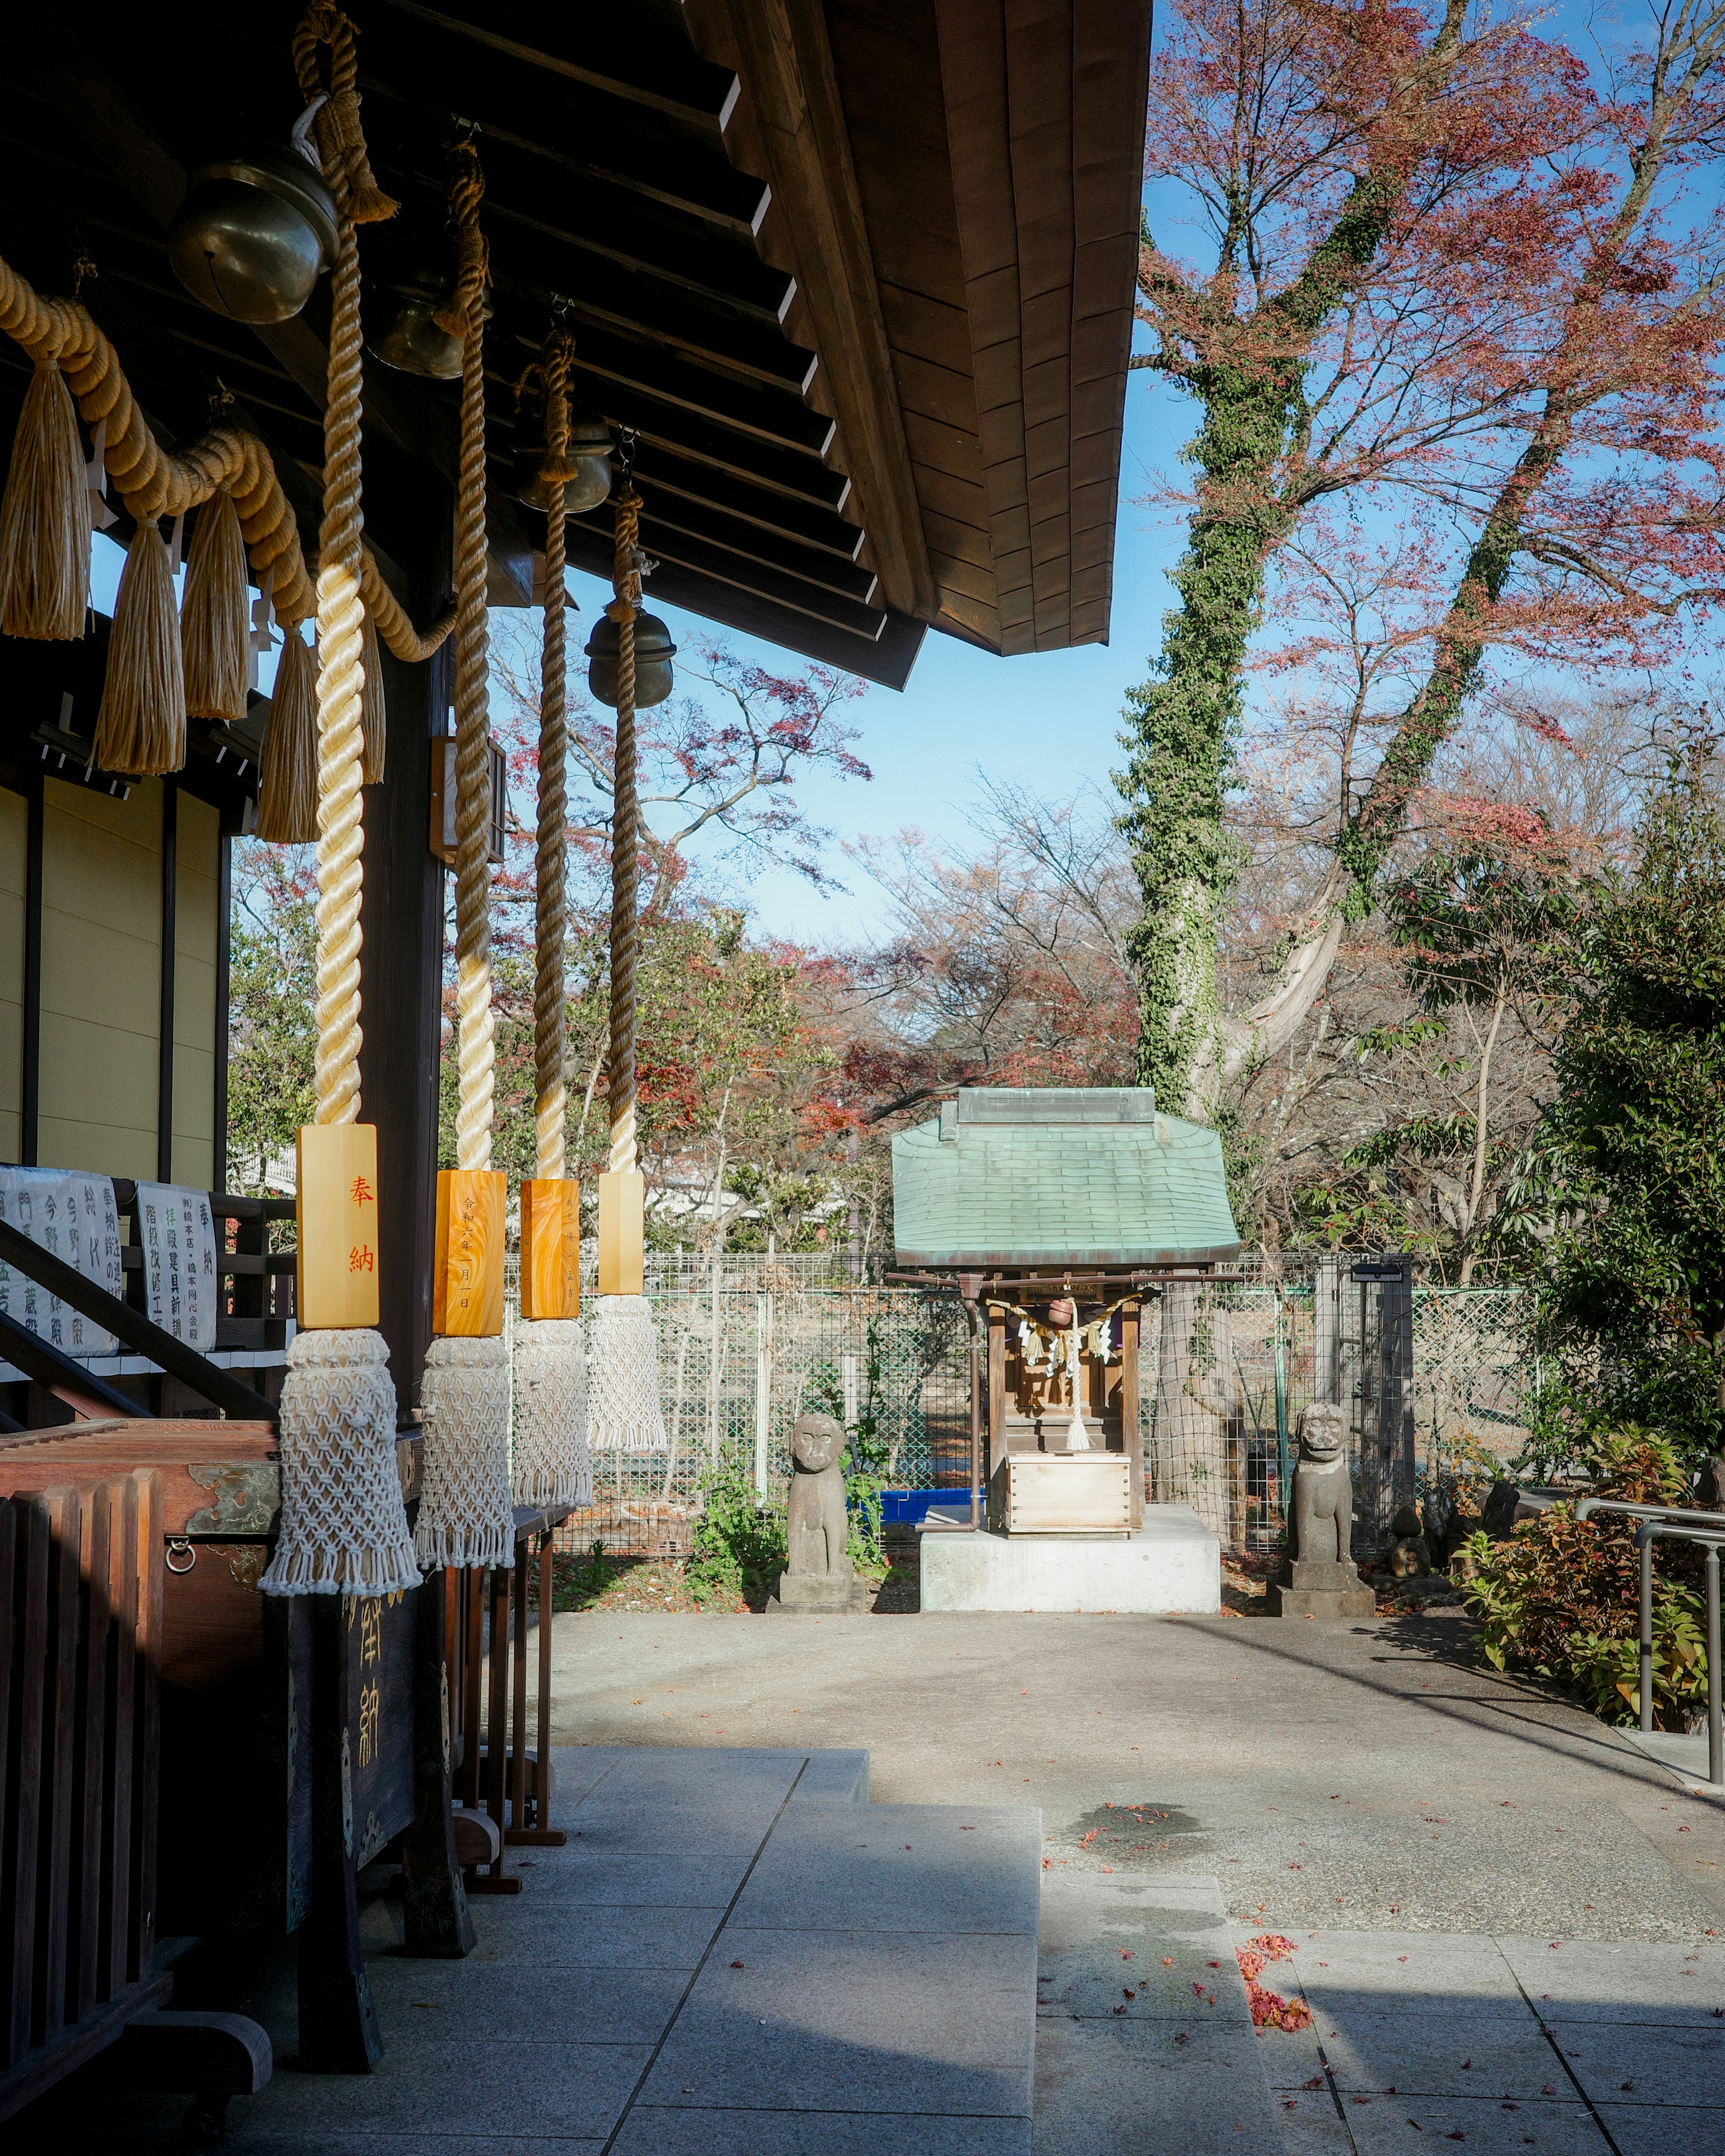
{"x": 1048, "y": 719}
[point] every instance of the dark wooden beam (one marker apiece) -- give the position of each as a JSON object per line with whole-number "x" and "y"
{"x": 671, "y": 542}
{"x": 115, "y": 132}
{"x": 792, "y": 112}
{"x": 535, "y": 258}
{"x": 886, "y": 658}
{"x": 578, "y": 127}
{"x": 640, "y": 53}
{"x": 695, "y": 434}
{"x": 609, "y": 222}
{"x": 678, "y": 512}
{"x": 607, "y": 349}
{"x": 224, "y": 950}
{"x": 669, "y": 473}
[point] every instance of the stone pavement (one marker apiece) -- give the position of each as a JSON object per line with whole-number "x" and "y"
{"x": 1367, "y": 1782}
{"x": 1505, "y": 2043}
{"x": 734, "y": 1955}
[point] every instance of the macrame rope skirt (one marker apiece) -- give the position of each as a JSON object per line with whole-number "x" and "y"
{"x": 344, "y": 1526}
{"x": 465, "y": 1517}
{"x": 623, "y": 1409}
{"x": 549, "y": 1464}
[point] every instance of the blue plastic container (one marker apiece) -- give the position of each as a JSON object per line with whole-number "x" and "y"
{"x": 908, "y": 1508}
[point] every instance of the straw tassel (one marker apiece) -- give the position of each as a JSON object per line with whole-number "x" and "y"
{"x": 140, "y": 730}
{"x": 287, "y": 783}
{"x": 44, "y": 520}
{"x": 214, "y": 617}
{"x": 373, "y": 713}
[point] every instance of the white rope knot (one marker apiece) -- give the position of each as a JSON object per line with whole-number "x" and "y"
{"x": 344, "y": 1526}
{"x": 548, "y": 1458}
{"x": 623, "y": 1409}
{"x": 464, "y": 1513}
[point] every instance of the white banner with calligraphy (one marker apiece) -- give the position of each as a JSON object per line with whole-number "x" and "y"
{"x": 178, "y": 1233}
{"x": 74, "y": 1219}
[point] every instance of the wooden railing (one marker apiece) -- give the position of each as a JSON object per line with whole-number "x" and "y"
{"x": 80, "y": 1591}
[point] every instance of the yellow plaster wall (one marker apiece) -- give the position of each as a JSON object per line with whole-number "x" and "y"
{"x": 13, "y": 815}
{"x": 195, "y": 1015}
{"x": 102, "y": 983}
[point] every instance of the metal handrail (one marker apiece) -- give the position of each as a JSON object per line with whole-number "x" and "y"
{"x": 1671, "y": 1522}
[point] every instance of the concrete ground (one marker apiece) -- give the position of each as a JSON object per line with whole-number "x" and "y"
{"x": 1477, "y": 1860}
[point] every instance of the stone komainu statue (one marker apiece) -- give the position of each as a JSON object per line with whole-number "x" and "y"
{"x": 1317, "y": 1578}
{"x": 820, "y": 1575}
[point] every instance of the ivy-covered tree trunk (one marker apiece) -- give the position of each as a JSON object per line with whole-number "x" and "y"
{"x": 1182, "y": 723}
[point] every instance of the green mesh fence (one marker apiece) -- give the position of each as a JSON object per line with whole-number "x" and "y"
{"x": 747, "y": 1346}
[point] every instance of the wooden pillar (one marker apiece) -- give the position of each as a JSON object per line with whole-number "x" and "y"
{"x": 164, "y": 1023}
{"x": 435, "y": 1920}
{"x": 30, "y": 1078}
{"x": 402, "y": 993}
{"x": 997, "y": 1387}
{"x": 224, "y": 910}
{"x": 1131, "y": 1427}
{"x": 338, "y": 2023}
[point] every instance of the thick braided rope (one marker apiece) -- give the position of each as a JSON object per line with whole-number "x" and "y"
{"x": 550, "y": 917}
{"x": 475, "y": 1052}
{"x": 152, "y": 482}
{"x": 340, "y": 621}
{"x": 625, "y": 930}
{"x": 340, "y": 140}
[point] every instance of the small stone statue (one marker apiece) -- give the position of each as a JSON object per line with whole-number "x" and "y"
{"x": 1410, "y": 1558}
{"x": 818, "y": 1529}
{"x": 1317, "y": 1577}
{"x": 820, "y": 1576}
{"x": 1710, "y": 1483}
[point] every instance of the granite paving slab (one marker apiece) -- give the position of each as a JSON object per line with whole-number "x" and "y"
{"x": 898, "y": 1867}
{"x": 1388, "y": 2126}
{"x": 1663, "y": 2130}
{"x": 550, "y": 1937}
{"x": 1609, "y": 1980}
{"x": 576, "y": 1876}
{"x": 505, "y": 2002}
{"x": 1135, "y": 1950}
{"x": 653, "y": 2130}
{"x": 1348, "y": 1973}
{"x": 1475, "y": 2056}
{"x": 1617, "y": 2064}
{"x": 1104, "y": 2086}
{"x": 846, "y": 2021}
{"x": 456, "y": 2085}
{"x": 1144, "y": 2038}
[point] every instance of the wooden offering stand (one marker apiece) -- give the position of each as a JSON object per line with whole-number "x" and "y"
{"x": 1036, "y": 1484}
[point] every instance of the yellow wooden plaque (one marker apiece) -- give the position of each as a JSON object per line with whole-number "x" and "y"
{"x": 623, "y": 1230}
{"x": 335, "y": 1211}
{"x": 551, "y": 1247}
{"x": 467, "y": 1281}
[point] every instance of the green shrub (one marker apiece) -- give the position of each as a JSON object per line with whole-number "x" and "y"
{"x": 739, "y": 1546}
{"x": 1562, "y": 1597}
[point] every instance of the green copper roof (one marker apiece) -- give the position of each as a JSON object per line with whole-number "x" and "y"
{"x": 1091, "y": 1176}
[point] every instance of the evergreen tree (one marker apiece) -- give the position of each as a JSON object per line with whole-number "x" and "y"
{"x": 1634, "y": 1300}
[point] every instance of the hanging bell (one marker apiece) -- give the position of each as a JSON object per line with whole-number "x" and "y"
{"x": 653, "y": 651}
{"x": 589, "y": 456}
{"x": 402, "y": 328}
{"x": 253, "y": 235}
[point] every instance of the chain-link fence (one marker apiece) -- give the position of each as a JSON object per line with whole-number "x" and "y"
{"x": 1430, "y": 1376}
{"x": 1435, "y": 1381}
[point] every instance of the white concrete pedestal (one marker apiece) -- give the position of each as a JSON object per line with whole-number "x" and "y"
{"x": 1173, "y": 1563}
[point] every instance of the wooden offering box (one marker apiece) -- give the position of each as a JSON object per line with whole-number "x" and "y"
{"x": 1051, "y": 1493}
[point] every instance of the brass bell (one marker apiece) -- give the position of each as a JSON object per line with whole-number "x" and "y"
{"x": 653, "y": 651}
{"x": 589, "y": 454}
{"x": 407, "y": 333}
{"x": 254, "y": 234}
